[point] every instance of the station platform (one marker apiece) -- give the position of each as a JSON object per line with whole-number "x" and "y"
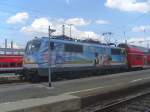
{"x": 71, "y": 91}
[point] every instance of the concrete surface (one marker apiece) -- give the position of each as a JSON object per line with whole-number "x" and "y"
{"x": 18, "y": 93}
{"x": 61, "y": 103}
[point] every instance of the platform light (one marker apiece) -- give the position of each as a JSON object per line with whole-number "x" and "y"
{"x": 50, "y": 31}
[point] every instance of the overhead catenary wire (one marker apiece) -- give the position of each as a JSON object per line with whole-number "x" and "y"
{"x": 49, "y": 13}
{"x": 36, "y": 12}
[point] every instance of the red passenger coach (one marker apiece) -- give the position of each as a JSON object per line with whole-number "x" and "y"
{"x": 148, "y": 59}
{"x": 137, "y": 57}
{"x": 11, "y": 61}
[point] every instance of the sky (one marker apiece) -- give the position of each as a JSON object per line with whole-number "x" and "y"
{"x": 22, "y": 20}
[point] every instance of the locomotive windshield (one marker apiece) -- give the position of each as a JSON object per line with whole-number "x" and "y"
{"x": 33, "y": 46}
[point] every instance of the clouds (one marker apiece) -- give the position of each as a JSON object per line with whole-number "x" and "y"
{"x": 129, "y": 5}
{"x": 77, "y": 21}
{"x": 139, "y": 41}
{"x": 39, "y": 27}
{"x": 141, "y": 28}
{"x": 20, "y": 17}
{"x": 89, "y": 19}
{"x": 83, "y": 22}
{"x": 68, "y": 2}
{"x": 102, "y": 22}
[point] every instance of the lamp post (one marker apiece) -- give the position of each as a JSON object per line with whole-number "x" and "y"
{"x": 5, "y": 46}
{"x": 50, "y": 31}
{"x": 70, "y": 25}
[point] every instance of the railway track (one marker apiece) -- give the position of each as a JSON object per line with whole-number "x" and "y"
{"x": 139, "y": 102}
{"x": 8, "y": 79}
{"x": 130, "y": 104}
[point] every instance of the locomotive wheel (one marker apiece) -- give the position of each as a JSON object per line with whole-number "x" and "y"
{"x": 27, "y": 77}
{"x": 22, "y": 78}
{"x": 35, "y": 78}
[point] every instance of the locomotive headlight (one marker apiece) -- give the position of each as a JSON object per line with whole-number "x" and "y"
{"x": 28, "y": 61}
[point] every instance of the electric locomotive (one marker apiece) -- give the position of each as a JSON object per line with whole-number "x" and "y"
{"x": 70, "y": 56}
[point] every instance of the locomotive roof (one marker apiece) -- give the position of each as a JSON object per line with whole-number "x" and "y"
{"x": 66, "y": 39}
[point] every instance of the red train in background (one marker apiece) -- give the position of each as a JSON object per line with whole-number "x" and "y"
{"x": 137, "y": 57}
{"x": 7, "y": 61}
{"x": 11, "y": 60}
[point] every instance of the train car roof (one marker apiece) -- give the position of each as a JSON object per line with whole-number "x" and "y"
{"x": 79, "y": 42}
{"x": 135, "y": 48}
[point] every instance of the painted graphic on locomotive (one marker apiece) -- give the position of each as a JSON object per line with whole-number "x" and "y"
{"x": 69, "y": 55}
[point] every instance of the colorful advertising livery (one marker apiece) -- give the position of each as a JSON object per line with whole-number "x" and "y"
{"x": 69, "y": 55}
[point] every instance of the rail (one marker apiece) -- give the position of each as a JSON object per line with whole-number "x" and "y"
{"x": 120, "y": 103}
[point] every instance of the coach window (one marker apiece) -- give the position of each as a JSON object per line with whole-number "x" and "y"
{"x": 138, "y": 57}
{"x": 73, "y": 48}
{"x": 115, "y": 51}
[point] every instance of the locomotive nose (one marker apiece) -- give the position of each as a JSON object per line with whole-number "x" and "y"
{"x": 28, "y": 60}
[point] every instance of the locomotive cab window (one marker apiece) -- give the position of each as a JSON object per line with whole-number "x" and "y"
{"x": 33, "y": 46}
{"x": 73, "y": 48}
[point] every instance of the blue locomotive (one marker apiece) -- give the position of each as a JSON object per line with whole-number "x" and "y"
{"x": 68, "y": 55}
